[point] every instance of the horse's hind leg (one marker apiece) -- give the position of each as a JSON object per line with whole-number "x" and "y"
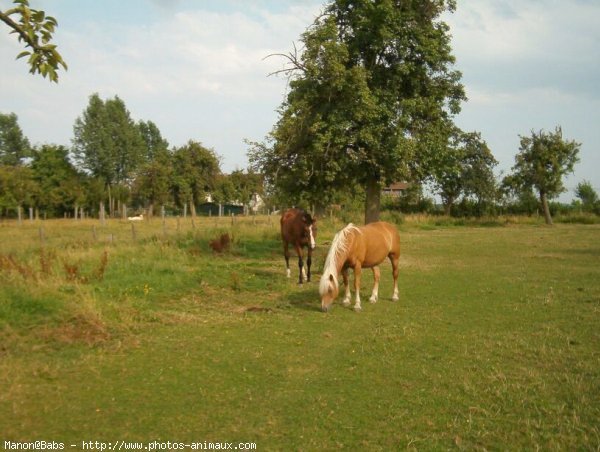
{"x": 375, "y": 293}
{"x": 286, "y": 254}
{"x": 394, "y": 259}
{"x": 300, "y": 264}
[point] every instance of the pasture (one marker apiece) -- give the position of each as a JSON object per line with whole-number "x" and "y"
{"x": 106, "y": 335}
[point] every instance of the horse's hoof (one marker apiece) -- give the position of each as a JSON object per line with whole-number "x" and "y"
{"x": 373, "y": 300}
{"x": 346, "y": 303}
{"x": 357, "y": 308}
{"x": 395, "y": 298}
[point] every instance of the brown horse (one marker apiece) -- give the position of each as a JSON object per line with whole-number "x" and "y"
{"x": 358, "y": 248}
{"x": 299, "y": 229}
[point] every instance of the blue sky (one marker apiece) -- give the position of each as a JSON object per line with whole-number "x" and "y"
{"x": 197, "y": 69}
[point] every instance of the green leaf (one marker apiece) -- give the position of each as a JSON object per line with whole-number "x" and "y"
{"x": 23, "y": 54}
{"x": 38, "y": 15}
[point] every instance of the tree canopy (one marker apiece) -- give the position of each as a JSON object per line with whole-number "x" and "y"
{"x": 587, "y": 195}
{"x": 59, "y": 185}
{"x": 197, "y": 169}
{"x": 14, "y": 146}
{"x": 463, "y": 168}
{"x": 107, "y": 143}
{"x": 543, "y": 160}
{"x": 372, "y": 77}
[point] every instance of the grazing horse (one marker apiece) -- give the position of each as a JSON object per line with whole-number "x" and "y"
{"x": 138, "y": 218}
{"x": 299, "y": 229}
{"x": 358, "y": 248}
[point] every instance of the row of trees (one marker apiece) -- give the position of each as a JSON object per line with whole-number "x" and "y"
{"x": 113, "y": 160}
{"x": 371, "y": 100}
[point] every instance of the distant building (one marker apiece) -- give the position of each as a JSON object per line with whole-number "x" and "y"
{"x": 396, "y": 189}
{"x": 210, "y": 207}
{"x": 256, "y": 203}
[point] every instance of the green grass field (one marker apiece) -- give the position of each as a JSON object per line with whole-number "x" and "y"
{"x": 494, "y": 344}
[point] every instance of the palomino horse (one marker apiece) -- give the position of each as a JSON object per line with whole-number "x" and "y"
{"x": 299, "y": 229}
{"x": 358, "y": 248}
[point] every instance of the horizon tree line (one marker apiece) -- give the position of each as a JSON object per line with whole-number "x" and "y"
{"x": 371, "y": 100}
{"x": 113, "y": 160}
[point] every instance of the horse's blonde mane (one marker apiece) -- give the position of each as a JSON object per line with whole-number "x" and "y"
{"x": 339, "y": 246}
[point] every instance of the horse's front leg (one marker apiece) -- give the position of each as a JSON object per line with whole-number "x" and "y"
{"x": 375, "y": 293}
{"x": 357, "y": 272}
{"x": 346, "y": 301}
{"x": 300, "y": 264}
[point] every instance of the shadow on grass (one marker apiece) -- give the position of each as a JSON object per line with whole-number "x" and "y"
{"x": 306, "y": 298}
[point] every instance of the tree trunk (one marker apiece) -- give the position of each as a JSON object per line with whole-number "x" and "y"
{"x": 319, "y": 210}
{"x": 546, "y": 208}
{"x": 373, "y": 200}
{"x": 448, "y": 206}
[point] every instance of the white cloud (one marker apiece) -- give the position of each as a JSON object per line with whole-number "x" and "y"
{"x": 198, "y": 74}
{"x": 530, "y": 65}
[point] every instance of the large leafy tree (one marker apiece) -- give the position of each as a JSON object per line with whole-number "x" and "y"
{"x": 17, "y": 187}
{"x": 195, "y": 173}
{"x": 108, "y": 144}
{"x": 587, "y": 195}
{"x": 464, "y": 169}
{"x": 60, "y": 185}
{"x": 543, "y": 160}
{"x": 34, "y": 28}
{"x": 152, "y": 184}
{"x": 155, "y": 146}
{"x": 245, "y": 184}
{"x": 14, "y": 146}
{"x": 372, "y": 78}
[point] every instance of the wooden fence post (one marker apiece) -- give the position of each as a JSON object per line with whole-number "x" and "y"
{"x": 102, "y": 214}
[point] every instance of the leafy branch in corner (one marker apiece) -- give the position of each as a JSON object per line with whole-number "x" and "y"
{"x": 35, "y": 29}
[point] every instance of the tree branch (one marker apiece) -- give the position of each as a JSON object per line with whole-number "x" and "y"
{"x": 5, "y": 17}
{"x": 292, "y": 58}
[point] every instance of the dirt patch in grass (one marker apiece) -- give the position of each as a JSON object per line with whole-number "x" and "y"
{"x": 89, "y": 330}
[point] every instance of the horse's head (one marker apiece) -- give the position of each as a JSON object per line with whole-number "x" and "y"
{"x": 328, "y": 289}
{"x": 310, "y": 230}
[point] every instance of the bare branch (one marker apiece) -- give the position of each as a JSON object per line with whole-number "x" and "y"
{"x": 292, "y": 59}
